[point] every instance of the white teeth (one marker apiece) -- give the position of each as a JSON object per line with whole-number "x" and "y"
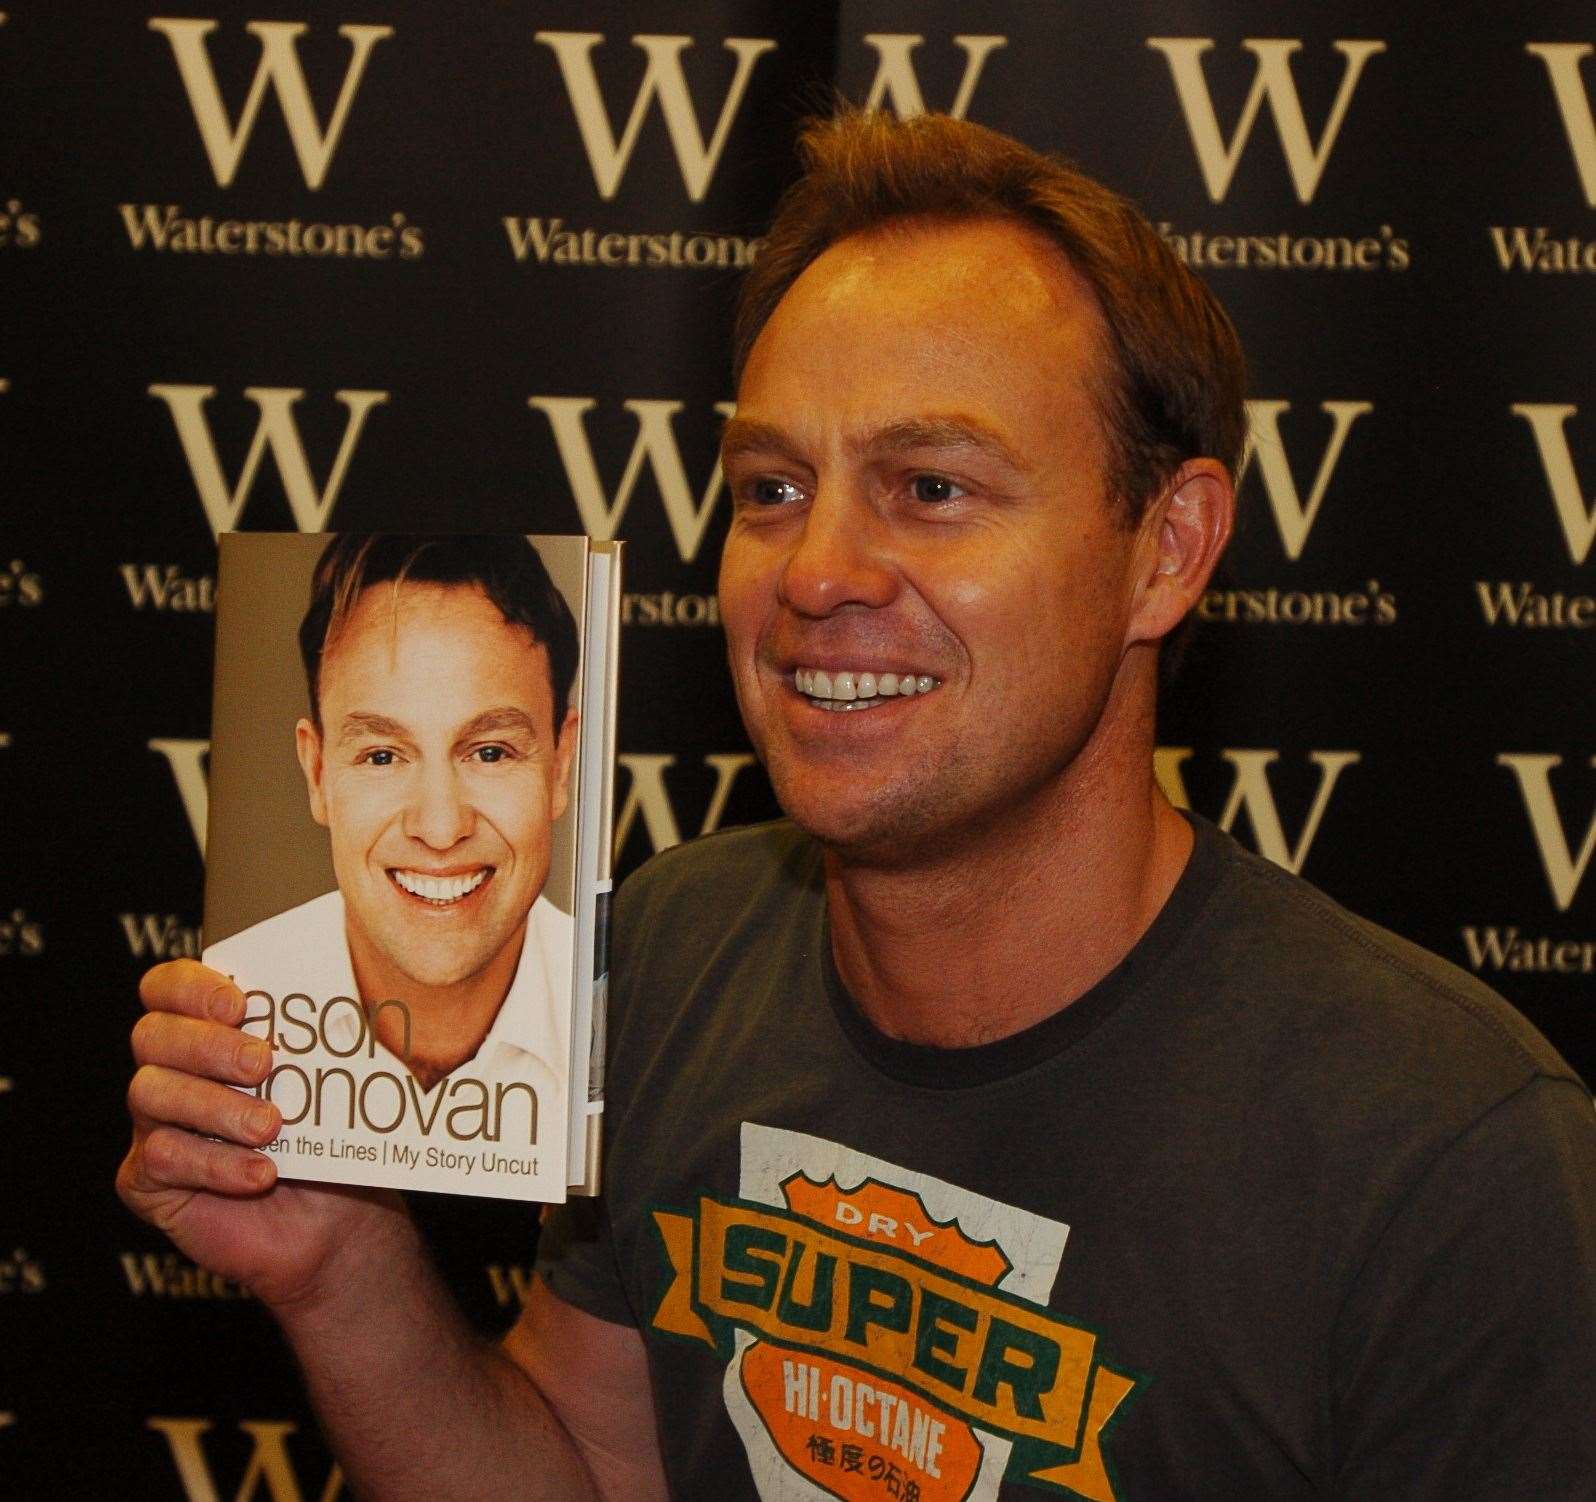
{"x": 853, "y": 690}
{"x": 440, "y": 889}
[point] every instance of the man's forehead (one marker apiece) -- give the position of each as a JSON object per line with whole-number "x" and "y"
{"x": 390, "y": 605}
{"x": 413, "y": 616}
{"x": 989, "y": 264}
{"x": 938, "y": 334}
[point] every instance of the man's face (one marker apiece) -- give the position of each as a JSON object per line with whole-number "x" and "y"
{"x": 438, "y": 773}
{"x": 917, "y": 469}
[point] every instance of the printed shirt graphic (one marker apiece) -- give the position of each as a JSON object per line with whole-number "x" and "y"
{"x": 887, "y": 1334}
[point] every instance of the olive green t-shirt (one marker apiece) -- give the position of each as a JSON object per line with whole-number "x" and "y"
{"x": 1282, "y": 1207}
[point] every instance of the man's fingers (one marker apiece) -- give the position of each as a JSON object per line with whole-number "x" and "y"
{"x": 161, "y": 1097}
{"x": 192, "y": 989}
{"x": 172, "y": 1159}
{"x": 202, "y": 1048}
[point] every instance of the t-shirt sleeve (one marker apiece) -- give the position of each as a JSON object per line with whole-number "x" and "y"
{"x": 1465, "y": 1359}
{"x": 576, "y": 1258}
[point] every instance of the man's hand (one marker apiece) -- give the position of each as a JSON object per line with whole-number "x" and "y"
{"x": 194, "y": 1170}
{"x": 414, "y": 1403}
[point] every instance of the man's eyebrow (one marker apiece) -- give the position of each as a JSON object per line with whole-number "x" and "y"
{"x": 941, "y": 433}
{"x": 744, "y": 434}
{"x": 505, "y": 717}
{"x": 358, "y": 724}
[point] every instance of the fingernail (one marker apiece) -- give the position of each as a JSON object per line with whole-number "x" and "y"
{"x": 262, "y": 1119}
{"x": 222, "y": 1004}
{"x": 253, "y": 1056}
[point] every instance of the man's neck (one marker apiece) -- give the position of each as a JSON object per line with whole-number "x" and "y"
{"x": 977, "y": 945}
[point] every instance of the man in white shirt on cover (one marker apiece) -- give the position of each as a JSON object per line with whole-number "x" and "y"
{"x": 437, "y": 754}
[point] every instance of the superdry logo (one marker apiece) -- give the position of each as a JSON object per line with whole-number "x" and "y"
{"x": 1538, "y": 248}
{"x": 268, "y": 1465}
{"x": 314, "y": 132}
{"x": 1273, "y": 84}
{"x": 1361, "y": 604}
{"x": 1508, "y": 947}
{"x": 1519, "y": 603}
{"x": 1251, "y": 794}
{"x": 276, "y": 433}
{"x": 874, "y": 1347}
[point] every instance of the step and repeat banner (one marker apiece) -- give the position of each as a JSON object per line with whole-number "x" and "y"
{"x": 389, "y": 264}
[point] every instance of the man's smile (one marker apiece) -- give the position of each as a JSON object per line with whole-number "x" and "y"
{"x": 863, "y": 688}
{"x": 439, "y": 890}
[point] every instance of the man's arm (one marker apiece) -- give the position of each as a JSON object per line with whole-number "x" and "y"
{"x": 414, "y": 1403}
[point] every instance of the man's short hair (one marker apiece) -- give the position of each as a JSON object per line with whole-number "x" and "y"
{"x": 506, "y": 569}
{"x": 1173, "y": 384}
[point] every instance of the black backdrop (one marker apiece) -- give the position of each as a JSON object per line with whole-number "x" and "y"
{"x": 400, "y": 264}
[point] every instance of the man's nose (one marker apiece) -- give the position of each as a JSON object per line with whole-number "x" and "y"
{"x": 438, "y": 813}
{"x": 842, "y": 556}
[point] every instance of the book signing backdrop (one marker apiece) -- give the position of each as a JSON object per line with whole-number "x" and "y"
{"x": 389, "y": 264}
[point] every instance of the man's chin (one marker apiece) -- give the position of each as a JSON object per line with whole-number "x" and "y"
{"x": 883, "y": 830}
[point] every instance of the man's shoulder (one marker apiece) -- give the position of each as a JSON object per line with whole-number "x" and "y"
{"x": 1327, "y": 973}
{"x": 283, "y": 936}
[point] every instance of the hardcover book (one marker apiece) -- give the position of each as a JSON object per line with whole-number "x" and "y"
{"x": 407, "y": 860}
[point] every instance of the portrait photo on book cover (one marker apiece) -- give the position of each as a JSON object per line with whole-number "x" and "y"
{"x": 391, "y": 817}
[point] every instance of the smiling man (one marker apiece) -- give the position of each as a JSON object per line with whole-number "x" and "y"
{"x": 437, "y": 754}
{"x": 985, "y": 1128}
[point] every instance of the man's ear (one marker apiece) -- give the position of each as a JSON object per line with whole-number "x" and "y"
{"x": 564, "y": 751}
{"x": 1182, "y": 537}
{"x": 307, "y": 745}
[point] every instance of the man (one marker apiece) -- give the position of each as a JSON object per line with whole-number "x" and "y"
{"x": 437, "y": 754}
{"x": 989, "y": 1127}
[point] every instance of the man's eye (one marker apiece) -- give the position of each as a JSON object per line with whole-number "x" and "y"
{"x": 934, "y": 489}
{"x": 491, "y": 754}
{"x": 768, "y": 491}
{"x": 381, "y": 757}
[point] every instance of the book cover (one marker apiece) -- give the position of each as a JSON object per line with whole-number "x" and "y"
{"x": 400, "y": 775}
